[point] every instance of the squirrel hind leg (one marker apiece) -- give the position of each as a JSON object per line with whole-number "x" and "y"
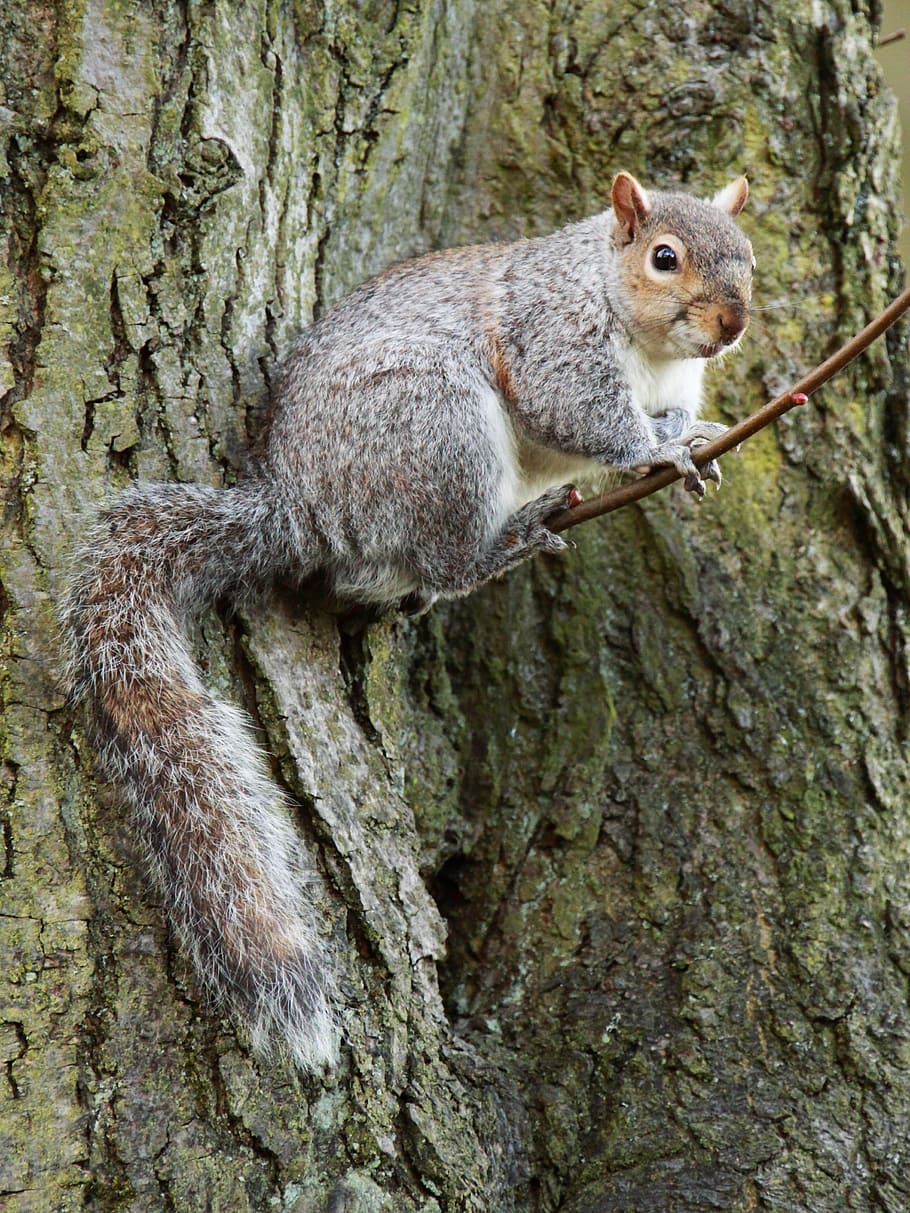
{"x": 522, "y": 535}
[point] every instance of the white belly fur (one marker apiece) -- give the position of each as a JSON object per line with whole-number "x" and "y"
{"x": 527, "y": 469}
{"x": 542, "y": 468}
{"x": 665, "y": 384}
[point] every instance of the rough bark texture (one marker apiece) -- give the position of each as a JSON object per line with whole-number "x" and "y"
{"x": 655, "y": 793}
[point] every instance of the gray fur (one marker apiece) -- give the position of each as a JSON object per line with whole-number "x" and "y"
{"x": 422, "y": 431}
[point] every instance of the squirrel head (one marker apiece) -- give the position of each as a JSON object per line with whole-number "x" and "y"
{"x": 685, "y": 268}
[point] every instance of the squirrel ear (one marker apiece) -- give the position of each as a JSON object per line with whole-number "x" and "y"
{"x": 631, "y": 205}
{"x": 732, "y": 198}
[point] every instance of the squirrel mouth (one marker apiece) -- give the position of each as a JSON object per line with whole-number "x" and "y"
{"x": 711, "y": 351}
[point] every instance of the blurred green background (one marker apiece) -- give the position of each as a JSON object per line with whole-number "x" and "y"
{"x": 895, "y": 61}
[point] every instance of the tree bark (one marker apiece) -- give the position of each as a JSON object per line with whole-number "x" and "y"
{"x": 615, "y": 850}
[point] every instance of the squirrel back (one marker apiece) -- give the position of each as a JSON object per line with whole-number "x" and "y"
{"x": 421, "y": 434}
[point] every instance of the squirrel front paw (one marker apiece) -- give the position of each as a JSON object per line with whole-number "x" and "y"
{"x": 699, "y": 434}
{"x": 670, "y": 425}
{"x": 678, "y": 454}
{"x": 706, "y": 471}
{"x": 707, "y": 431}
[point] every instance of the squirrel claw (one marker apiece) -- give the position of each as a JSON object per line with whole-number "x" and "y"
{"x": 711, "y": 471}
{"x": 708, "y": 471}
{"x": 549, "y": 542}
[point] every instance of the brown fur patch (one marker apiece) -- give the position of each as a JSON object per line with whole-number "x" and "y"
{"x": 501, "y": 373}
{"x": 147, "y": 709}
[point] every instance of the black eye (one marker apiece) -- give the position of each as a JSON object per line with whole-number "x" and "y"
{"x": 664, "y": 259}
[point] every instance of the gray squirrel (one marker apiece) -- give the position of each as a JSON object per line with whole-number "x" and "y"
{"x": 422, "y": 431}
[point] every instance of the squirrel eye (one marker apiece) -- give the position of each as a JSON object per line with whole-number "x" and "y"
{"x": 664, "y": 258}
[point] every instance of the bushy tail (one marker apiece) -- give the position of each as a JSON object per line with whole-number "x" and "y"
{"x": 222, "y": 849}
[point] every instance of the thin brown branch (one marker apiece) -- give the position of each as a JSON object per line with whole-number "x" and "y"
{"x": 798, "y": 394}
{"x": 897, "y": 36}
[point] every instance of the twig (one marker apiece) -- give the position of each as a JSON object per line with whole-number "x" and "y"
{"x": 799, "y": 394}
{"x": 897, "y": 36}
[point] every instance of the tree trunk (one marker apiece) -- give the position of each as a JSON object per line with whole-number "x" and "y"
{"x": 654, "y": 793}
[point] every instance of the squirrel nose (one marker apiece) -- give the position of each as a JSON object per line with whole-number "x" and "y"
{"x": 732, "y": 320}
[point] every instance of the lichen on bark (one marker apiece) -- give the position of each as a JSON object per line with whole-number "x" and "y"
{"x": 613, "y": 851}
